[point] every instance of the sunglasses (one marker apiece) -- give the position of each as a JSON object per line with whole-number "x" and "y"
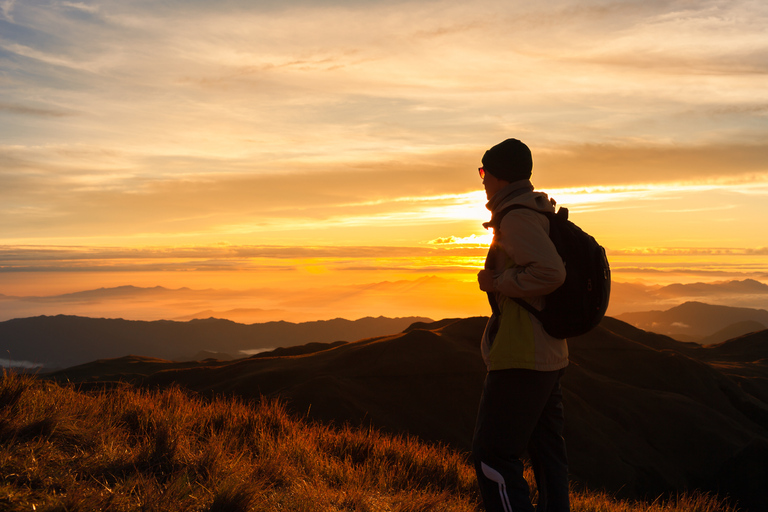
{"x": 482, "y": 172}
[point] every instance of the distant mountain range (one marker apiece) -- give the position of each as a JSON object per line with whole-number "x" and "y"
{"x": 62, "y": 341}
{"x": 744, "y": 287}
{"x": 428, "y": 296}
{"x": 645, "y": 414}
{"x": 627, "y": 297}
{"x": 703, "y": 323}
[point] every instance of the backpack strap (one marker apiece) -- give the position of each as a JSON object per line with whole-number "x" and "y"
{"x": 495, "y": 223}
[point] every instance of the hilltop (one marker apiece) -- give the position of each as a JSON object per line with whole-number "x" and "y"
{"x": 640, "y": 406}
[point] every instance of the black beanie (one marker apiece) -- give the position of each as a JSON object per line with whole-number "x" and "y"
{"x": 510, "y": 160}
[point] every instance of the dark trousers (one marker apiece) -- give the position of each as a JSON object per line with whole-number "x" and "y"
{"x": 519, "y": 410}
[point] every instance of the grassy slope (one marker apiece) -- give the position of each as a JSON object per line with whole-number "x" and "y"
{"x": 129, "y": 449}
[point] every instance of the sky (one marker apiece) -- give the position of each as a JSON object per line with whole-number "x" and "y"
{"x": 301, "y": 147}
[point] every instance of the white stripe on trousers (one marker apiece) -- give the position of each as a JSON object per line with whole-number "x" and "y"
{"x": 495, "y": 476}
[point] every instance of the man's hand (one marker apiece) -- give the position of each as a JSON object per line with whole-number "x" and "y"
{"x": 485, "y": 280}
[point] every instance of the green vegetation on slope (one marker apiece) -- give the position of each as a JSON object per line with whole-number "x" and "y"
{"x": 130, "y": 449}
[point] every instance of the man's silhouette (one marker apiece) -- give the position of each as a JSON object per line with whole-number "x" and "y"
{"x": 521, "y": 406}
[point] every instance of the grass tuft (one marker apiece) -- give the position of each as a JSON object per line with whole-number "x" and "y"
{"x": 234, "y": 497}
{"x": 13, "y": 386}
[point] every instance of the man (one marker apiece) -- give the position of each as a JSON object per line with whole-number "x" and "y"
{"x": 521, "y": 405}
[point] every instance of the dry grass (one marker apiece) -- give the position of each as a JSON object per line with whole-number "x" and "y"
{"x": 130, "y": 449}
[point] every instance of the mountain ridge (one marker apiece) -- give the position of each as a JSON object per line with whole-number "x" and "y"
{"x": 66, "y": 340}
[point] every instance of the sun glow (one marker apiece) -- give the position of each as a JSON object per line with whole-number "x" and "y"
{"x": 589, "y": 196}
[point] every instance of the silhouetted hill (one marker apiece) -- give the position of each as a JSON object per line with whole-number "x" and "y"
{"x": 300, "y": 350}
{"x": 210, "y": 354}
{"x": 695, "y": 320}
{"x": 732, "y": 331}
{"x": 645, "y": 414}
{"x": 745, "y": 360}
{"x": 127, "y": 368}
{"x": 61, "y": 341}
{"x": 749, "y": 348}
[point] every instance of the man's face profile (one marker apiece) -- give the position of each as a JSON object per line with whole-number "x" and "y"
{"x": 491, "y": 183}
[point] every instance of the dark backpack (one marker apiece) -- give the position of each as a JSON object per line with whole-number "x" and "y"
{"x": 579, "y": 304}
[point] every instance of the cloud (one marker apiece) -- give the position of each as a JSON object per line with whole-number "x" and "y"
{"x": 113, "y": 196}
{"x": 467, "y": 241}
{"x": 381, "y": 56}
{"x": 32, "y": 111}
{"x": 7, "y": 9}
{"x": 47, "y": 57}
{"x": 236, "y": 258}
{"x": 606, "y": 164}
{"x": 660, "y": 37}
{"x": 129, "y": 200}
{"x": 209, "y": 77}
{"x": 691, "y": 251}
{"x": 81, "y": 6}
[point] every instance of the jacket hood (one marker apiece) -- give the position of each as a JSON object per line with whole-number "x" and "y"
{"x": 520, "y": 192}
